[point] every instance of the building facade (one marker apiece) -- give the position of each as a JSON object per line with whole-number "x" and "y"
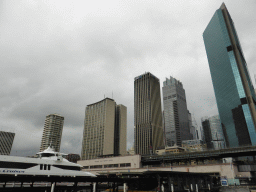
{"x": 231, "y": 80}
{"x": 105, "y": 128}
{"x": 176, "y": 115}
{"x": 97, "y": 166}
{"x": 193, "y": 127}
{"x": 255, "y": 84}
{"x": 120, "y": 137}
{"x": 213, "y": 133}
{"x": 194, "y": 145}
{"x": 6, "y": 141}
{"x": 52, "y": 133}
{"x": 148, "y": 132}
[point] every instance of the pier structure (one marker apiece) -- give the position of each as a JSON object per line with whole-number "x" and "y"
{"x": 233, "y": 165}
{"x": 127, "y": 181}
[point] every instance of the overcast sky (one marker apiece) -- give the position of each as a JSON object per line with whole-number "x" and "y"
{"x": 59, "y": 56}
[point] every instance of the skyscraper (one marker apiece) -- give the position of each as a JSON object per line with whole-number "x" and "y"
{"x": 105, "y": 128}
{"x": 176, "y": 115}
{"x": 231, "y": 80}
{"x": 52, "y": 133}
{"x": 255, "y": 84}
{"x": 148, "y": 132}
{"x": 192, "y": 127}
{"x": 6, "y": 141}
{"x": 213, "y": 132}
{"x": 120, "y": 137}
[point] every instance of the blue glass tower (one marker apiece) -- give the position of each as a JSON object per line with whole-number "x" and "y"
{"x": 231, "y": 81}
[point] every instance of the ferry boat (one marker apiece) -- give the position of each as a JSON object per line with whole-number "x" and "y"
{"x": 48, "y": 163}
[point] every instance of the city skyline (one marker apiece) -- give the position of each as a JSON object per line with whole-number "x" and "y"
{"x": 57, "y": 57}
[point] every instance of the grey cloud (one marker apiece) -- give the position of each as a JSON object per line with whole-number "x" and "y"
{"x": 59, "y": 56}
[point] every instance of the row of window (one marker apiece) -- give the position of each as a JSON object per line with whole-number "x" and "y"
{"x": 170, "y": 96}
{"x": 107, "y": 166}
{"x": 45, "y": 167}
{"x": 173, "y": 96}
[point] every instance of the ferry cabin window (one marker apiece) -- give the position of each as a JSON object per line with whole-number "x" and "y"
{"x": 47, "y": 154}
{"x": 65, "y": 156}
{"x": 125, "y": 165}
{"x": 49, "y": 167}
{"x": 41, "y": 166}
{"x": 45, "y": 167}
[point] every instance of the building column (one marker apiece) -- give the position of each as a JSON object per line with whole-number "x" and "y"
{"x": 125, "y": 187}
{"x": 75, "y": 186}
{"x": 53, "y": 185}
{"x": 94, "y": 187}
{"x": 159, "y": 183}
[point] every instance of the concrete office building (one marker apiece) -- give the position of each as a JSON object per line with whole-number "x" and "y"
{"x": 52, "y": 133}
{"x": 148, "y": 132}
{"x": 213, "y": 133}
{"x": 6, "y": 141}
{"x": 111, "y": 163}
{"x": 176, "y": 115}
{"x": 105, "y": 128}
{"x": 232, "y": 84}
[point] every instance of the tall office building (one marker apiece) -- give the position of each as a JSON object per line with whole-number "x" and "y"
{"x": 255, "y": 84}
{"x": 6, "y": 141}
{"x": 120, "y": 137}
{"x": 148, "y": 132}
{"x": 52, "y": 133}
{"x": 105, "y": 128}
{"x": 192, "y": 127}
{"x": 213, "y": 133}
{"x": 231, "y": 80}
{"x": 176, "y": 115}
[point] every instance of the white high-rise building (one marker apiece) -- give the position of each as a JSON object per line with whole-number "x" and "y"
{"x": 105, "y": 128}
{"x": 52, "y": 133}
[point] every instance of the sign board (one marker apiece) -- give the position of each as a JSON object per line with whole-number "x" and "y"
{"x": 224, "y": 181}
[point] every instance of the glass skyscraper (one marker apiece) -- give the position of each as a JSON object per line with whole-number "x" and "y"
{"x": 213, "y": 133}
{"x": 231, "y": 81}
{"x": 176, "y": 116}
